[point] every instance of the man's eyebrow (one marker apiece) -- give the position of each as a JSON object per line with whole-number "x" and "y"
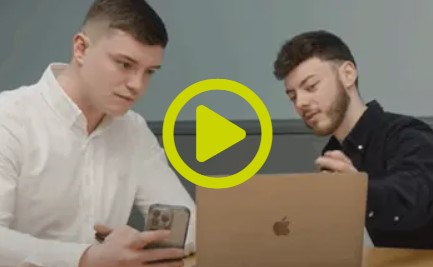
{"x": 288, "y": 89}
{"x": 155, "y": 67}
{"x": 306, "y": 79}
{"x": 127, "y": 58}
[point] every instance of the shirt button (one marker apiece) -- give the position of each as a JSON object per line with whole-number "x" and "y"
{"x": 360, "y": 147}
{"x": 371, "y": 214}
{"x": 396, "y": 219}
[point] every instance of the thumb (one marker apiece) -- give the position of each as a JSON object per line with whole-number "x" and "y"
{"x": 145, "y": 238}
{"x": 102, "y": 229}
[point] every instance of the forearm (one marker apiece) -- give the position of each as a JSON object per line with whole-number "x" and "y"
{"x": 17, "y": 248}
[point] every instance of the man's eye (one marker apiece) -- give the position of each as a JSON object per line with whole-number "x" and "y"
{"x": 124, "y": 65}
{"x": 292, "y": 96}
{"x": 312, "y": 88}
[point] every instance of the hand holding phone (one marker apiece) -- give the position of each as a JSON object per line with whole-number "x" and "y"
{"x": 173, "y": 218}
{"x": 168, "y": 217}
{"x": 160, "y": 217}
{"x": 123, "y": 246}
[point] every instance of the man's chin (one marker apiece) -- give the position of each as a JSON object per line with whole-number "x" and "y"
{"x": 117, "y": 112}
{"x": 320, "y": 130}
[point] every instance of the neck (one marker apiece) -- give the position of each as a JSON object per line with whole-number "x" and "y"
{"x": 354, "y": 112}
{"x": 70, "y": 81}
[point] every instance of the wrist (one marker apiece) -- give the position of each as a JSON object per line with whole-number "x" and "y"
{"x": 86, "y": 257}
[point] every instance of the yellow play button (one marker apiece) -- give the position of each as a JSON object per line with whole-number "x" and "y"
{"x": 214, "y": 133}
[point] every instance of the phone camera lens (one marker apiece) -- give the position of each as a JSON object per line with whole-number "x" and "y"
{"x": 165, "y": 218}
{"x": 156, "y": 213}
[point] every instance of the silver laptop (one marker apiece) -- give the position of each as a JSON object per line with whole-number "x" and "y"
{"x": 300, "y": 220}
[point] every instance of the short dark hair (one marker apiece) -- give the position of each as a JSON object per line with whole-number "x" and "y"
{"x": 320, "y": 44}
{"x": 136, "y": 17}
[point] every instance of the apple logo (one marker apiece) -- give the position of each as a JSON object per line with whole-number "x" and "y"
{"x": 281, "y": 227}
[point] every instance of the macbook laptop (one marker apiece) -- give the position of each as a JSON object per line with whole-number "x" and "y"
{"x": 275, "y": 220}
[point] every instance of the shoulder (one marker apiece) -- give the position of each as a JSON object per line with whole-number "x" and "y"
{"x": 16, "y": 113}
{"x": 16, "y": 105}
{"x": 408, "y": 132}
{"x": 395, "y": 123}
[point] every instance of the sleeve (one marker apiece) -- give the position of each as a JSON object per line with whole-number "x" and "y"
{"x": 18, "y": 248}
{"x": 402, "y": 198}
{"x": 160, "y": 184}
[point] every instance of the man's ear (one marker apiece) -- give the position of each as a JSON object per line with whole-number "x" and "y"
{"x": 80, "y": 45}
{"x": 348, "y": 74}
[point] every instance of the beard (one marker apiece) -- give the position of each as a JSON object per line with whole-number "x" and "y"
{"x": 335, "y": 114}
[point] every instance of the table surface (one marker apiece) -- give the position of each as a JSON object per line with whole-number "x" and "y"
{"x": 382, "y": 257}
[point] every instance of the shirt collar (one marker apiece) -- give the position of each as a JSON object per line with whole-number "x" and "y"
{"x": 62, "y": 104}
{"x": 363, "y": 129}
{"x": 56, "y": 97}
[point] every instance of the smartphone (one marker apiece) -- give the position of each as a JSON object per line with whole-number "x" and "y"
{"x": 168, "y": 217}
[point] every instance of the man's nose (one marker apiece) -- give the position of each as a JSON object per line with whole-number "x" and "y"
{"x": 137, "y": 84}
{"x": 302, "y": 101}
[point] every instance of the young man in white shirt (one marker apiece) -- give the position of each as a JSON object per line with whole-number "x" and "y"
{"x": 73, "y": 155}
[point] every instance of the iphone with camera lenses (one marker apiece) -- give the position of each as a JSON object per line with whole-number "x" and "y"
{"x": 168, "y": 217}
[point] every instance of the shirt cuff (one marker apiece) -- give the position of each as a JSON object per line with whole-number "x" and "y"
{"x": 190, "y": 242}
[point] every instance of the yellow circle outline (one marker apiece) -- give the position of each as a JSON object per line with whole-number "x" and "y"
{"x": 217, "y": 85}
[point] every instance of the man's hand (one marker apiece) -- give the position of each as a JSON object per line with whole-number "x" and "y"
{"x": 123, "y": 247}
{"x": 335, "y": 161}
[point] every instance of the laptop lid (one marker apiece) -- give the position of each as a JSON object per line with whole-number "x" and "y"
{"x": 311, "y": 219}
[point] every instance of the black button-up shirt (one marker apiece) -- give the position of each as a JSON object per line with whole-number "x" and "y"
{"x": 396, "y": 151}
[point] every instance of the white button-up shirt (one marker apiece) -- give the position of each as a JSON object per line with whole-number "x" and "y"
{"x": 57, "y": 182}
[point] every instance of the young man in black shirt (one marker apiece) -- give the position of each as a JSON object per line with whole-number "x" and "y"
{"x": 396, "y": 151}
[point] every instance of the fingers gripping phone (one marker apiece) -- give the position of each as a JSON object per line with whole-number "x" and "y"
{"x": 168, "y": 217}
